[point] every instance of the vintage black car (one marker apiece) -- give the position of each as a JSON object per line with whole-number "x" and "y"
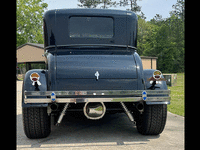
{"x": 92, "y": 66}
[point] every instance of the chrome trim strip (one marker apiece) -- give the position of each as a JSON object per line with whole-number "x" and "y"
{"x": 154, "y": 103}
{"x": 150, "y": 100}
{"x": 80, "y": 100}
{"x": 98, "y": 92}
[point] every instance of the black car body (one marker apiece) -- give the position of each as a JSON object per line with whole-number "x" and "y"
{"x": 93, "y": 66}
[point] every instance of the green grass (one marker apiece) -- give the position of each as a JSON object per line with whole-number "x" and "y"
{"x": 177, "y": 96}
{"x": 20, "y": 79}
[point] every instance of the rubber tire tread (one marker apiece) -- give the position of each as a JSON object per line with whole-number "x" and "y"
{"x": 153, "y": 120}
{"x": 36, "y": 122}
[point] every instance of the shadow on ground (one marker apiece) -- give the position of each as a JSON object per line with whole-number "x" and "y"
{"x": 76, "y": 129}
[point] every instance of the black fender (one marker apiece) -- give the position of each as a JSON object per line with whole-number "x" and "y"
{"x": 148, "y": 73}
{"x": 27, "y": 86}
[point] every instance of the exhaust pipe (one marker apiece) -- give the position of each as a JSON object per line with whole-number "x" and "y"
{"x": 94, "y": 111}
{"x": 54, "y": 106}
{"x": 140, "y": 107}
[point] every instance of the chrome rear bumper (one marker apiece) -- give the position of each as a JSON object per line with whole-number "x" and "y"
{"x": 150, "y": 96}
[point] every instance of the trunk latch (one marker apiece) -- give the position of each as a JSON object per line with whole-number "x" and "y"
{"x": 97, "y": 75}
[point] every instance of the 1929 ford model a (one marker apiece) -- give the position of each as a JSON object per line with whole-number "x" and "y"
{"x": 93, "y": 67}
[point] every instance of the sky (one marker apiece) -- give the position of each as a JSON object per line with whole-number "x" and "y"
{"x": 149, "y": 7}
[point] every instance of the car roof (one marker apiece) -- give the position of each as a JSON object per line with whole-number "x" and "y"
{"x": 90, "y": 11}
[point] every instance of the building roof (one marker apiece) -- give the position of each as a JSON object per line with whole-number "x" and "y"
{"x": 32, "y": 44}
{"x": 148, "y": 57}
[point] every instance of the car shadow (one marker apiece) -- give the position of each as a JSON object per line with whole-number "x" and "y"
{"x": 76, "y": 130}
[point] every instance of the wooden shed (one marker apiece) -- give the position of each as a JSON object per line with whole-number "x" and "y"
{"x": 149, "y": 62}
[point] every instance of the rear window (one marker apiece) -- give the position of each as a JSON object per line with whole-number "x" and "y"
{"x": 91, "y": 27}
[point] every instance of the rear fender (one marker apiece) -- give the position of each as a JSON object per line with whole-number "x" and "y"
{"x": 27, "y": 86}
{"x": 148, "y": 73}
{"x": 139, "y": 71}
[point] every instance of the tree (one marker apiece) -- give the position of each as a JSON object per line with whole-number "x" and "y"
{"x": 157, "y": 19}
{"x": 95, "y": 3}
{"x": 29, "y": 21}
{"x": 168, "y": 44}
{"x": 133, "y": 3}
{"x": 108, "y": 2}
{"x": 146, "y": 37}
{"x": 133, "y": 7}
{"x": 88, "y": 3}
{"x": 179, "y": 9}
{"x": 142, "y": 15}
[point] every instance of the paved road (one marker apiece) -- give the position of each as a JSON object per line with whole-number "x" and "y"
{"x": 112, "y": 132}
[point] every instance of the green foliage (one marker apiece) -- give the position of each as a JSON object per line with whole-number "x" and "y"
{"x": 29, "y": 21}
{"x": 163, "y": 38}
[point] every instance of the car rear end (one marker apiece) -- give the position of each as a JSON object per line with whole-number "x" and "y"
{"x": 92, "y": 67}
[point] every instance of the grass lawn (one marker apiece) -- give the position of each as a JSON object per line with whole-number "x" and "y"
{"x": 177, "y": 96}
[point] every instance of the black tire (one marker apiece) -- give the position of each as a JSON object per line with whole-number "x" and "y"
{"x": 36, "y": 122}
{"x": 153, "y": 119}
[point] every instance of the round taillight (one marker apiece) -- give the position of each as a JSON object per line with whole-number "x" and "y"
{"x": 157, "y": 74}
{"x": 35, "y": 78}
